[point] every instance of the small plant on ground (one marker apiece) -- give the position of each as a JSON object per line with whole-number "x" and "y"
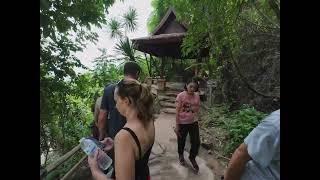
{"x": 237, "y": 124}
{"x": 240, "y": 124}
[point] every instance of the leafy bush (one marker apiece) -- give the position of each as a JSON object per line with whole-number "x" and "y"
{"x": 65, "y": 110}
{"x": 217, "y": 116}
{"x": 240, "y": 124}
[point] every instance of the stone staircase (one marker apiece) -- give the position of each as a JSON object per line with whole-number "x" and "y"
{"x": 167, "y": 103}
{"x": 167, "y": 98}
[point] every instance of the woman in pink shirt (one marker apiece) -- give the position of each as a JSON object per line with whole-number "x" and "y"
{"x": 187, "y": 108}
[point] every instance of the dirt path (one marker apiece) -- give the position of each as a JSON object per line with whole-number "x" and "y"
{"x": 164, "y": 159}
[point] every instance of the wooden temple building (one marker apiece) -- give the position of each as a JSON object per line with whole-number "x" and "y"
{"x": 165, "y": 43}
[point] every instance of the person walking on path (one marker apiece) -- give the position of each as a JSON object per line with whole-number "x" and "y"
{"x": 187, "y": 108}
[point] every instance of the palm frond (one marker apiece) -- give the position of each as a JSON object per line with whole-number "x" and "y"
{"x": 115, "y": 28}
{"x": 130, "y": 19}
{"x": 125, "y": 48}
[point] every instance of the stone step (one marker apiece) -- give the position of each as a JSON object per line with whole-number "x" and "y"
{"x": 171, "y": 93}
{"x": 169, "y": 110}
{"x": 176, "y": 86}
{"x": 167, "y": 98}
{"x": 174, "y": 89}
{"x": 167, "y": 104}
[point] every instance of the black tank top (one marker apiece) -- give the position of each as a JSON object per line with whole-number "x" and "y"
{"x": 141, "y": 165}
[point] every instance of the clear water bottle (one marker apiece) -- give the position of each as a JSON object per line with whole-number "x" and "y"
{"x": 90, "y": 147}
{"x": 110, "y": 171}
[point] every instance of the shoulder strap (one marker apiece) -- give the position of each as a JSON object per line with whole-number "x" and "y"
{"x": 135, "y": 139}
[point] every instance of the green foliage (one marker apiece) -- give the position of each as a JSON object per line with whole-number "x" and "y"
{"x": 115, "y": 28}
{"x": 127, "y": 23}
{"x": 66, "y": 97}
{"x": 130, "y": 19}
{"x": 238, "y": 124}
{"x": 217, "y": 25}
{"x": 159, "y": 9}
{"x": 211, "y": 26}
{"x": 69, "y": 120}
{"x": 218, "y": 116}
{"x": 63, "y": 121}
{"x": 91, "y": 84}
{"x": 119, "y": 29}
{"x": 125, "y": 48}
{"x": 64, "y": 28}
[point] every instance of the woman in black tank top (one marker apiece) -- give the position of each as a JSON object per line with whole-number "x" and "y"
{"x": 133, "y": 143}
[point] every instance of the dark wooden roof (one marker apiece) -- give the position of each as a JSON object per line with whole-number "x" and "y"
{"x": 162, "y": 38}
{"x": 162, "y": 45}
{"x": 165, "y": 40}
{"x": 168, "y": 24}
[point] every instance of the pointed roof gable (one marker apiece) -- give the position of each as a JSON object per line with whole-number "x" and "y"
{"x": 168, "y": 24}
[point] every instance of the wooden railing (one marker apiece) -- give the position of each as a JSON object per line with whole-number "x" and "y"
{"x": 45, "y": 171}
{"x": 69, "y": 173}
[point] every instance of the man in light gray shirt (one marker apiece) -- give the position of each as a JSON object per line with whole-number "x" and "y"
{"x": 258, "y": 158}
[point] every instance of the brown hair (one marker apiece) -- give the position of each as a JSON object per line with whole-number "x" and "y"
{"x": 140, "y": 96}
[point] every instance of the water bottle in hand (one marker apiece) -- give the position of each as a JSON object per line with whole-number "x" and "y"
{"x": 90, "y": 147}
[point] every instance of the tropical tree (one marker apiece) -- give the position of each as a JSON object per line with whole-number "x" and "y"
{"x": 105, "y": 71}
{"x": 115, "y": 29}
{"x": 65, "y": 26}
{"x": 159, "y": 8}
{"x": 119, "y": 29}
{"x": 235, "y": 33}
{"x": 125, "y": 48}
{"x": 130, "y": 20}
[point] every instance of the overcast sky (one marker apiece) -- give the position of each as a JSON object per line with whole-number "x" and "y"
{"x": 143, "y": 8}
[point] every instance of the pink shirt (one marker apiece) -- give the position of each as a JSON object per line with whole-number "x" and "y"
{"x": 190, "y": 105}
